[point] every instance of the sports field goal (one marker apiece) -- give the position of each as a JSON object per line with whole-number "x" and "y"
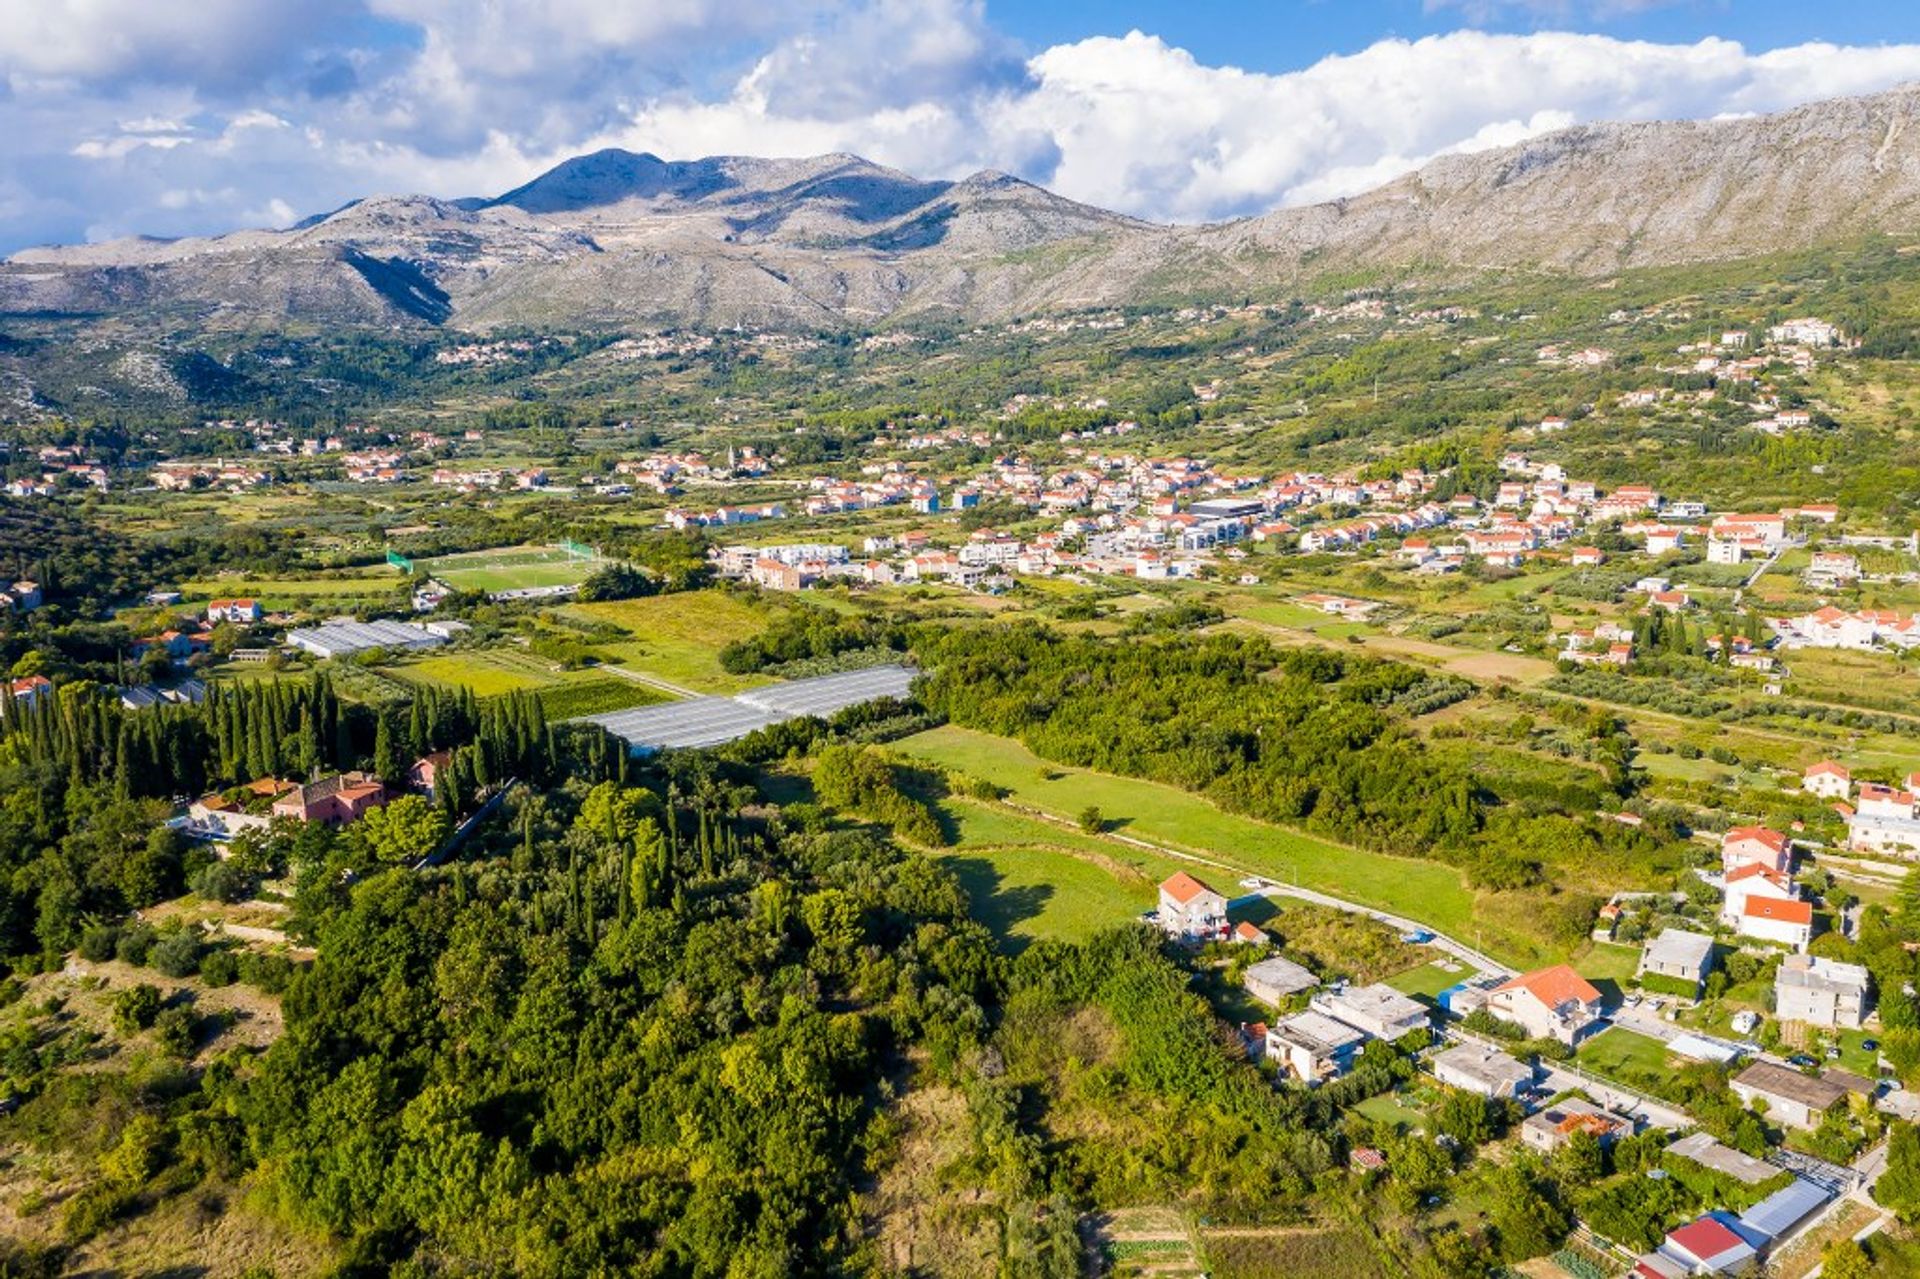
{"x": 579, "y": 551}
{"x": 400, "y": 562}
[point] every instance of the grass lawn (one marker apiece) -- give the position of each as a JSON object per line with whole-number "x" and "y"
{"x": 1609, "y": 961}
{"x": 509, "y": 568}
{"x": 678, "y": 637}
{"x": 1427, "y": 891}
{"x": 1389, "y": 1109}
{"x": 1029, "y": 880}
{"x": 1429, "y": 979}
{"x": 1622, "y": 1055}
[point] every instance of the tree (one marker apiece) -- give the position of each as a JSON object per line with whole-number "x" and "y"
{"x": 1899, "y": 1186}
{"x": 386, "y": 754}
{"x": 135, "y": 1008}
{"x": 402, "y": 832}
{"x": 1845, "y": 1259}
{"x": 1092, "y": 820}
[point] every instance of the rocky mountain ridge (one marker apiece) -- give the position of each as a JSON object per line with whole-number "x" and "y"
{"x": 619, "y": 239}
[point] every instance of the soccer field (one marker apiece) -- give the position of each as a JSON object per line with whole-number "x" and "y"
{"x": 509, "y": 568}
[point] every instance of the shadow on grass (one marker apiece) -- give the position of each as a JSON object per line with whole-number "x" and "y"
{"x": 1000, "y": 907}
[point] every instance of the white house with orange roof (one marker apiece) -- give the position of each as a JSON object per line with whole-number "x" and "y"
{"x": 1550, "y": 1003}
{"x": 1191, "y": 911}
{"x": 1788, "y": 922}
{"x": 1749, "y": 882}
{"x": 1827, "y": 780}
{"x": 1755, "y": 846}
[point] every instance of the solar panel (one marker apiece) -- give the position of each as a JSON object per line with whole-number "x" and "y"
{"x": 711, "y": 721}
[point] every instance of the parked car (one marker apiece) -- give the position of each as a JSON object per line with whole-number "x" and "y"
{"x": 1801, "y": 1060}
{"x": 1870, "y": 1045}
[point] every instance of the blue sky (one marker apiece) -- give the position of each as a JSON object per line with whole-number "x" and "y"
{"x": 1284, "y": 35}
{"x": 184, "y": 117}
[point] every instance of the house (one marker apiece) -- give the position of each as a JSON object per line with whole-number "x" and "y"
{"x": 1247, "y": 934}
{"x": 337, "y": 801}
{"x": 1820, "y": 992}
{"x": 1709, "y": 1247}
{"x": 1276, "y": 978}
{"x": 26, "y": 596}
{"x": 1789, "y": 1097}
{"x": 1755, "y": 846}
{"x": 218, "y": 818}
{"x": 1678, "y": 955}
{"x": 1191, "y": 911}
{"x": 1379, "y": 1010}
{"x": 427, "y": 771}
{"x": 1753, "y": 882}
{"x": 1312, "y": 1046}
{"x": 1477, "y": 1068}
{"x": 240, "y": 612}
{"x": 1588, "y": 557}
{"x": 1549, "y": 1129}
{"x": 1702, "y": 1149}
{"x": 1789, "y": 923}
{"x": 1550, "y": 1003}
{"x": 29, "y": 690}
{"x": 1827, "y": 780}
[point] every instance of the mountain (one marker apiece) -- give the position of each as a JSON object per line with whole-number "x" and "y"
{"x": 622, "y": 239}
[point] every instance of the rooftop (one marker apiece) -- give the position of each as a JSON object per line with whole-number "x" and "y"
{"x": 1678, "y": 948}
{"x": 1315, "y": 1032}
{"x": 1486, "y": 1064}
{"x": 1784, "y": 1082}
{"x": 1708, "y": 1153}
{"x": 1554, "y": 986}
{"x": 1811, "y": 972}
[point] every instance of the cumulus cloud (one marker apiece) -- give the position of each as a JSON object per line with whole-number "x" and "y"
{"x": 188, "y": 117}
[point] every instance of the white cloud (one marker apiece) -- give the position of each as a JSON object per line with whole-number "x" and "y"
{"x": 115, "y": 104}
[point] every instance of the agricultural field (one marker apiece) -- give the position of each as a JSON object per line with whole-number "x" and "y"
{"x": 316, "y": 594}
{"x": 509, "y": 568}
{"x": 678, "y": 638}
{"x": 563, "y": 694}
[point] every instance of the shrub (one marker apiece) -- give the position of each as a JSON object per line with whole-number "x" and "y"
{"x": 267, "y": 973}
{"x": 97, "y": 943}
{"x": 135, "y": 1008}
{"x": 174, "y": 1029}
{"x": 220, "y": 968}
{"x": 134, "y": 944}
{"x": 226, "y": 881}
{"x": 177, "y": 954}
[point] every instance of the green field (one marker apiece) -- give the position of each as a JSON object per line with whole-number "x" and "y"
{"x": 678, "y": 637}
{"x": 1429, "y": 979}
{"x": 1427, "y": 891}
{"x": 486, "y": 673}
{"x": 596, "y": 696}
{"x": 1621, "y": 1055}
{"x": 494, "y": 672}
{"x": 295, "y": 594}
{"x": 508, "y": 569}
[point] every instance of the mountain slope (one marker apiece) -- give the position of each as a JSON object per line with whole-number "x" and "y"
{"x": 616, "y": 238}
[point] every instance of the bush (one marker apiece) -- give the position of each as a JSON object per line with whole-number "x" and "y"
{"x": 97, "y": 944}
{"x": 177, "y": 954}
{"x": 220, "y": 968}
{"x": 135, "y": 1008}
{"x": 174, "y": 1029}
{"x": 269, "y": 974}
{"x": 226, "y": 881}
{"x": 134, "y": 944}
